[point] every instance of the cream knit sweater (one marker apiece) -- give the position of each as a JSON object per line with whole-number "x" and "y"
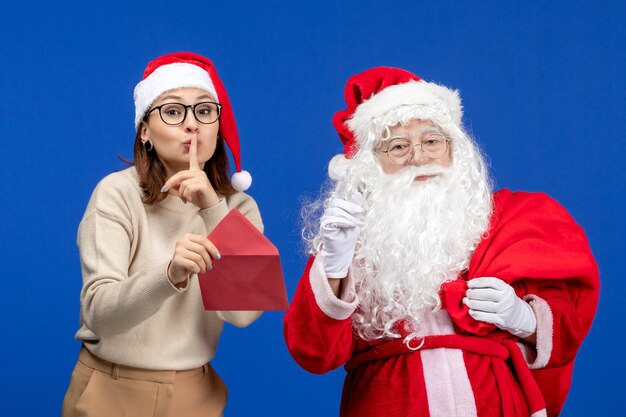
{"x": 130, "y": 312}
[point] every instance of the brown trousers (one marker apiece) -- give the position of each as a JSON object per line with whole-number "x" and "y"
{"x": 103, "y": 389}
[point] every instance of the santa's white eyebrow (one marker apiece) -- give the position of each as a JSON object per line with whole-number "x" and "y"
{"x": 422, "y": 132}
{"x": 431, "y": 130}
{"x": 396, "y": 137}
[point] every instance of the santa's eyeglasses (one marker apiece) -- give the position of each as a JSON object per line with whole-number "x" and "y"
{"x": 401, "y": 151}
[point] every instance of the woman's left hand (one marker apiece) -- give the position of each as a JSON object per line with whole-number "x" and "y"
{"x": 192, "y": 184}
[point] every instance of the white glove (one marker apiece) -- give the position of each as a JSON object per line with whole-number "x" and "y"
{"x": 339, "y": 227}
{"x": 494, "y": 301}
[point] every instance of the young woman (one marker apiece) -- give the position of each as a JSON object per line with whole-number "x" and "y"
{"x": 147, "y": 340}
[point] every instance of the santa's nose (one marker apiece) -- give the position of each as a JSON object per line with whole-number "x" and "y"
{"x": 418, "y": 157}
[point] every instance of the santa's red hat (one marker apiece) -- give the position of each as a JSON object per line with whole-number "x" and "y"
{"x": 186, "y": 69}
{"x": 384, "y": 96}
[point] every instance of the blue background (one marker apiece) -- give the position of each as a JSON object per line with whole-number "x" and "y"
{"x": 543, "y": 88}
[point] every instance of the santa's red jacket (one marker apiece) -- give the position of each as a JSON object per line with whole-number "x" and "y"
{"x": 461, "y": 367}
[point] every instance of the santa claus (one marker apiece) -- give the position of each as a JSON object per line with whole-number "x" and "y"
{"x": 439, "y": 297}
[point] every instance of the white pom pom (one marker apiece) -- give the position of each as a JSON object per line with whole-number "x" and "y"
{"x": 241, "y": 181}
{"x": 338, "y": 166}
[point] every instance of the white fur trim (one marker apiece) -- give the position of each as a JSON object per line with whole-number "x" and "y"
{"x": 448, "y": 388}
{"x": 241, "y": 181}
{"x": 435, "y": 324}
{"x": 338, "y": 166}
{"x": 540, "y": 356}
{"x": 540, "y": 413}
{"x": 337, "y": 308}
{"x": 435, "y": 102}
{"x": 169, "y": 77}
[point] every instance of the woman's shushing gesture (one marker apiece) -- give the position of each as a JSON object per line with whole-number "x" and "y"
{"x": 147, "y": 340}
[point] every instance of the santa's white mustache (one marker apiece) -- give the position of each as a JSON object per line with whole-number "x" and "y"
{"x": 408, "y": 174}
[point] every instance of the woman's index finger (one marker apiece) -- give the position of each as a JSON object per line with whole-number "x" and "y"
{"x": 193, "y": 153}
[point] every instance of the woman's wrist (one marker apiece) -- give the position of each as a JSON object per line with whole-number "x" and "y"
{"x": 178, "y": 283}
{"x": 210, "y": 200}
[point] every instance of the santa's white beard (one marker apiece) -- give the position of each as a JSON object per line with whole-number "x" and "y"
{"x": 416, "y": 235}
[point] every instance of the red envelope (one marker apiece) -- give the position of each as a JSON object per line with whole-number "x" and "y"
{"x": 249, "y": 275}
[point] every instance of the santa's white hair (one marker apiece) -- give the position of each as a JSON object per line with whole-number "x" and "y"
{"x": 416, "y": 235}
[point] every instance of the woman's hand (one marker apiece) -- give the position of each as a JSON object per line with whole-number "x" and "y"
{"x": 193, "y": 185}
{"x": 193, "y": 254}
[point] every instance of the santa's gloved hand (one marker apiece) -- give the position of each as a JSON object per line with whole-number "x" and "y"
{"x": 339, "y": 227}
{"x": 494, "y": 301}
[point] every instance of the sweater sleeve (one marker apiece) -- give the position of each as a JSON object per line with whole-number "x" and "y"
{"x": 318, "y": 342}
{"x": 113, "y": 302}
{"x": 248, "y": 207}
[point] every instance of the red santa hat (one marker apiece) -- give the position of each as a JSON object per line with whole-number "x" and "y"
{"x": 186, "y": 69}
{"x": 382, "y": 97}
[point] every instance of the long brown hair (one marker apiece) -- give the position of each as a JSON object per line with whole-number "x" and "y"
{"x": 152, "y": 174}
